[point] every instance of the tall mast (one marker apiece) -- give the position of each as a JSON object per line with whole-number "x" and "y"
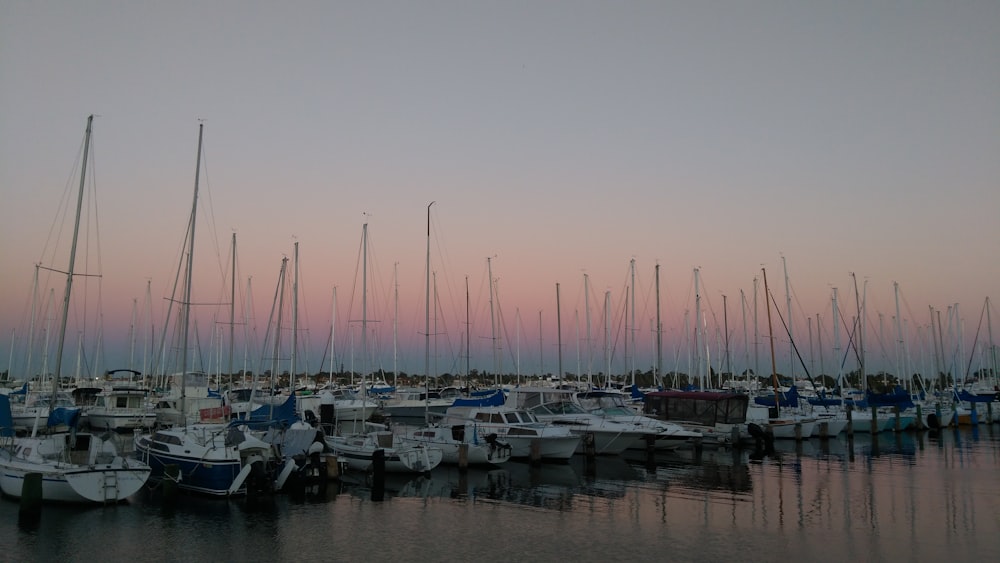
{"x": 493, "y": 324}
{"x": 632, "y": 332}
{"x": 836, "y": 339}
{"x": 333, "y": 333}
{"x": 788, "y": 310}
{"x": 427, "y": 303}
{"x": 993, "y": 350}
{"x": 186, "y": 301}
{"x": 607, "y": 338}
{"x": 232, "y": 312}
{"x": 541, "y": 348}
{"x": 559, "y": 330}
{"x": 395, "y": 322}
{"x": 770, "y": 333}
{"x": 364, "y": 309}
{"x": 697, "y": 327}
{"x": 725, "y": 327}
{"x": 590, "y": 351}
{"x": 468, "y": 344}
{"x": 295, "y": 321}
{"x": 659, "y": 332}
{"x": 72, "y": 261}
{"x": 861, "y": 331}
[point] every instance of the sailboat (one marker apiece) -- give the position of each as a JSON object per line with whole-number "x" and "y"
{"x": 75, "y": 467}
{"x": 213, "y": 459}
{"x": 458, "y": 445}
{"x": 358, "y": 450}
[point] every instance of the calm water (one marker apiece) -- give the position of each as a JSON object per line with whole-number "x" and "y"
{"x": 912, "y": 497}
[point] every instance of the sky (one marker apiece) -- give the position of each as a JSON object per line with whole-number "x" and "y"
{"x": 828, "y": 145}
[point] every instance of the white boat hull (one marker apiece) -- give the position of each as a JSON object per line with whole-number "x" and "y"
{"x": 359, "y": 453}
{"x": 111, "y": 482}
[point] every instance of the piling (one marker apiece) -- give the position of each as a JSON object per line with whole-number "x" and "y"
{"x": 589, "y": 445}
{"x": 850, "y": 421}
{"x": 463, "y": 457}
{"x": 332, "y": 468}
{"x": 989, "y": 412}
{"x": 899, "y": 424}
{"x": 824, "y": 430}
{"x": 874, "y": 419}
{"x": 650, "y": 443}
{"x": 535, "y": 453}
{"x": 327, "y": 414}
{"x": 734, "y": 436}
{"x": 974, "y": 415}
{"x": 378, "y": 475}
{"x": 171, "y": 479}
{"x": 798, "y": 431}
{"x": 937, "y": 413}
{"x": 31, "y": 498}
{"x": 920, "y": 419}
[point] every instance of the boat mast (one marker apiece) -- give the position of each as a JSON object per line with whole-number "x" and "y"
{"x": 541, "y": 348}
{"x": 72, "y": 264}
{"x": 788, "y": 311}
{"x": 232, "y": 314}
{"x": 333, "y": 325}
{"x": 427, "y": 305}
{"x": 364, "y": 309}
{"x": 770, "y": 334}
{"x": 659, "y": 333}
{"x": 590, "y": 351}
{"x": 836, "y": 341}
{"x": 632, "y": 331}
{"x": 993, "y": 349}
{"x": 395, "y": 324}
{"x": 559, "y": 331}
{"x": 295, "y": 321}
{"x": 493, "y": 324}
{"x": 697, "y": 327}
{"x": 861, "y": 331}
{"x": 468, "y": 344}
{"x": 607, "y": 338}
{"x": 186, "y": 301}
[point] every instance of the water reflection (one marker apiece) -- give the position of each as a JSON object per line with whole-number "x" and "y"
{"x": 910, "y": 496}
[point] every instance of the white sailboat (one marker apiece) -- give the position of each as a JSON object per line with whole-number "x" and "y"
{"x": 213, "y": 459}
{"x": 359, "y": 450}
{"x": 75, "y": 467}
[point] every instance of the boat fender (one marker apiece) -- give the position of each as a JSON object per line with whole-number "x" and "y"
{"x": 286, "y": 471}
{"x": 933, "y": 422}
{"x": 240, "y": 478}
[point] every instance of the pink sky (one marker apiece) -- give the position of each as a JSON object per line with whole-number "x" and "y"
{"x": 844, "y": 139}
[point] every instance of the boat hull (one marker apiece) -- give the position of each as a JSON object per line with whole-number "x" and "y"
{"x": 360, "y": 456}
{"x": 98, "y": 483}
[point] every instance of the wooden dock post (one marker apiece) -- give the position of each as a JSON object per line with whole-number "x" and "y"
{"x": 378, "y": 475}
{"x": 171, "y": 480}
{"x": 463, "y": 457}
{"x": 31, "y": 498}
{"x": 874, "y": 419}
{"x": 589, "y": 445}
{"x": 850, "y": 421}
{"x": 824, "y": 430}
{"x": 920, "y": 419}
{"x": 899, "y": 424}
{"x": 798, "y": 431}
{"x": 535, "y": 454}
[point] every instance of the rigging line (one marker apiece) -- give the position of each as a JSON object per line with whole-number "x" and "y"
{"x": 792, "y": 340}
{"x": 972, "y": 353}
